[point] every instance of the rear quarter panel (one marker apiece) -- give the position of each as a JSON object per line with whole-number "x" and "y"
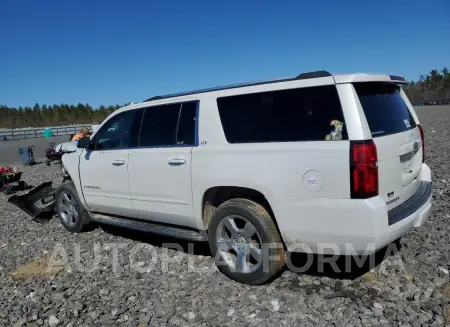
{"x": 388, "y": 147}
{"x": 289, "y": 174}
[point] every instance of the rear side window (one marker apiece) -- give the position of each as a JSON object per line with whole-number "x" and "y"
{"x": 187, "y": 124}
{"x": 386, "y": 111}
{"x": 306, "y": 114}
{"x": 159, "y": 125}
{"x": 169, "y": 125}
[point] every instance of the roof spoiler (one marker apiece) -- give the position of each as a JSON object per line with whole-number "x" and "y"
{"x": 398, "y": 79}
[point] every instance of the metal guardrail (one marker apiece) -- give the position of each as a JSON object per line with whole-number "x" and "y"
{"x": 29, "y": 133}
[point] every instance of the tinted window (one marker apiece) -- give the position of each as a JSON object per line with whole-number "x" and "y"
{"x": 159, "y": 125}
{"x": 169, "y": 125}
{"x": 386, "y": 111}
{"x": 186, "y": 124}
{"x": 119, "y": 132}
{"x": 306, "y": 114}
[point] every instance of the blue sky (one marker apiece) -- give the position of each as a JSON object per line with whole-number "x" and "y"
{"x": 112, "y": 52}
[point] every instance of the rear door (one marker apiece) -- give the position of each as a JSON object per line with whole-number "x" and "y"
{"x": 397, "y": 138}
{"x": 160, "y": 167}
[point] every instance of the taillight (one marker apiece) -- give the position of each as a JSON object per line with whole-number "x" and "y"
{"x": 423, "y": 143}
{"x": 363, "y": 169}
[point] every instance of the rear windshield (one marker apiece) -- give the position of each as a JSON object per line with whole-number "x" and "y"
{"x": 385, "y": 109}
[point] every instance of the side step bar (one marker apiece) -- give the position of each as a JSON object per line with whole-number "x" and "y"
{"x": 150, "y": 227}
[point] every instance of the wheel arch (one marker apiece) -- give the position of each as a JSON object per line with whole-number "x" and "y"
{"x": 214, "y": 196}
{"x": 71, "y": 164}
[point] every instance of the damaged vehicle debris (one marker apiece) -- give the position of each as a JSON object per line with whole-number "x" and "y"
{"x": 10, "y": 180}
{"x": 39, "y": 201}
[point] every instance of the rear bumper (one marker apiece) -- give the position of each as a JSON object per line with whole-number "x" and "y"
{"x": 412, "y": 205}
{"x": 347, "y": 227}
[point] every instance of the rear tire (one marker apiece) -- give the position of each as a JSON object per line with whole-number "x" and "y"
{"x": 73, "y": 216}
{"x": 245, "y": 242}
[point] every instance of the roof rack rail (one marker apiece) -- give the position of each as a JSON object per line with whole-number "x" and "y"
{"x": 156, "y": 97}
{"x": 316, "y": 74}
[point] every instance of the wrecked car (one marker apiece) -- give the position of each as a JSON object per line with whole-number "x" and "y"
{"x": 38, "y": 202}
{"x": 258, "y": 170}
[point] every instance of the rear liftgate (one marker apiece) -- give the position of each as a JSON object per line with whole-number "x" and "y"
{"x": 37, "y": 203}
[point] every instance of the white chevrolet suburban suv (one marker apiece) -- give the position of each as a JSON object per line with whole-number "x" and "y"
{"x": 294, "y": 163}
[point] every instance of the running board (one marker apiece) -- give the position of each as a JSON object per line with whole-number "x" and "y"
{"x": 150, "y": 227}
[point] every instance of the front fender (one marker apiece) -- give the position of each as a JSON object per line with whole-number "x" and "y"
{"x": 71, "y": 166}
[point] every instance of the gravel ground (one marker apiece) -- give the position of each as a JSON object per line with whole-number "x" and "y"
{"x": 9, "y": 150}
{"x": 108, "y": 277}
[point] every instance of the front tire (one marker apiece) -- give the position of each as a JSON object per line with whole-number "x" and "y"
{"x": 73, "y": 216}
{"x": 245, "y": 242}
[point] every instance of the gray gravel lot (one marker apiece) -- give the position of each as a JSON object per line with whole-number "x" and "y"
{"x": 9, "y": 150}
{"x": 50, "y": 277}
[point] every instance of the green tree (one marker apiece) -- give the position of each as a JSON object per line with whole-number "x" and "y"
{"x": 445, "y": 78}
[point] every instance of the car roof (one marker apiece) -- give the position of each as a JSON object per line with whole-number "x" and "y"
{"x": 309, "y": 75}
{"x": 336, "y": 78}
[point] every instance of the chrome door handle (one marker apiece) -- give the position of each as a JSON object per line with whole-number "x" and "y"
{"x": 118, "y": 162}
{"x": 177, "y": 161}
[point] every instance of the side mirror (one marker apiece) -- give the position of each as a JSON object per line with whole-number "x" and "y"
{"x": 84, "y": 143}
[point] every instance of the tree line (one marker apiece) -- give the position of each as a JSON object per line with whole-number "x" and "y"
{"x": 53, "y": 115}
{"x": 433, "y": 86}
